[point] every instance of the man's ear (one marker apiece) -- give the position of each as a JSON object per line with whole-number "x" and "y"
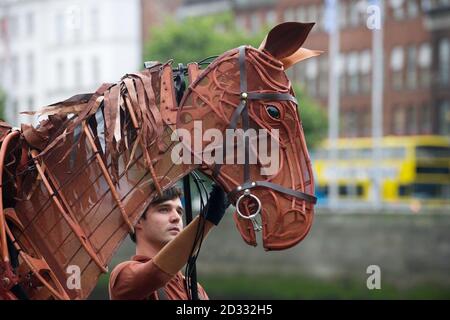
{"x": 284, "y": 42}
{"x": 138, "y": 224}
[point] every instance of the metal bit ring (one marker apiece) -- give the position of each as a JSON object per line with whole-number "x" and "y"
{"x": 248, "y": 194}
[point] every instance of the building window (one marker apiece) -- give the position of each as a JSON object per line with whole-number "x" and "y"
{"x": 425, "y": 5}
{"x": 323, "y": 76}
{"x": 255, "y": 22}
{"x": 311, "y": 75}
{"x": 74, "y": 23}
{"x": 95, "y": 70}
{"x": 60, "y": 74}
{"x": 15, "y": 110}
{"x": 354, "y": 13}
{"x": 30, "y": 24}
{"x": 271, "y": 18}
{"x": 341, "y": 70}
{"x": 319, "y": 22}
{"x": 412, "y": 7}
{"x": 313, "y": 15}
{"x": 59, "y": 27}
{"x": 444, "y": 118}
{"x": 425, "y": 118}
{"x": 444, "y": 62}
{"x": 397, "y": 63}
{"x": 301, "y": 14}
{"x": 350, "y": 123}
{"x": 424, "y": 63}
{"x": 300, "y": 73}
{"x": 411, "y": 120}
{"x": 15, "y": 70}
{"x": 30, "y": 103}
{"x": 411, "y": 74}
{"x": 13, "y": 27}
{"x": 399, "y": 120}
{"x": 365, "y": 67}
{"x": 398, "y": 10}
{"x": 95, "y": 16}
{"x": 352, "y": 70}
{"x": 288, "y": 15}
{"x": 2, "y": 70}
{"x": 343, "y": 6}
{"x": 30, "y": 68}
{"x": 78, "y": 74}
{"x": 241, "y": 22}
{"x": 367, "y": 123}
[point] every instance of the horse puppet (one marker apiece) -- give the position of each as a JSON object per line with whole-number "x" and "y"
{"x": 74, "y": 186}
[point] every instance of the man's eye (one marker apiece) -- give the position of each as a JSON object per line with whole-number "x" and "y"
{"x": 163, "y": 210}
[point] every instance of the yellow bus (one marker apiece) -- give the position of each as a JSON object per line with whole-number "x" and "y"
{"x": 412, "y": 169}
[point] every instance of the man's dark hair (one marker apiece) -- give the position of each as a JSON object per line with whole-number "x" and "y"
{"x": 169, "y": 194}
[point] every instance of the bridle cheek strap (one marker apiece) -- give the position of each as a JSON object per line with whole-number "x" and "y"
{"x": 242, "y": 111}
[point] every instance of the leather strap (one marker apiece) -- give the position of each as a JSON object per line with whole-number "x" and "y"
{"x": 162, "y": 294}
{"x": 242, "y": 111}
{"x": 274, "y": 186}
{"x": 272, "y": 96}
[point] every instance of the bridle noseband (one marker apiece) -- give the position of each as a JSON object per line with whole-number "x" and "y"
{"x": 242, "y": 111}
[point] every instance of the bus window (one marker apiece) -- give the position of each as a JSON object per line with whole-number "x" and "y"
{"x": 427, "y": 190}
{"x": 432, "y": 152}
{"x": 393, "y": 153}
{"x": 432, "y": 170}
{"x": 319, "y": 154}
{"x": 343, "y": 190}
{"x": 424, "y": 190}
{"x": 359, "y": 190}
{"x": 404, "y": 190}
{"x": 351, "y": 190}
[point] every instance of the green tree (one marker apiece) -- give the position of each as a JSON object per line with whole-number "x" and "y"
{"x": 313, "y": 116}
{"x": 194, "y": 39}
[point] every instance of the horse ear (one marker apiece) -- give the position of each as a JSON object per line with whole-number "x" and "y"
{"x": 286, "y": 39}
{"x": 299, "y": 55}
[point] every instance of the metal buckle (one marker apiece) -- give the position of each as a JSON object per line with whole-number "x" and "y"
{"x": 252, "y": 217}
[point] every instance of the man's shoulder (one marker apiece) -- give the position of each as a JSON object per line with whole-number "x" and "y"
{"x": 121, "y": 266}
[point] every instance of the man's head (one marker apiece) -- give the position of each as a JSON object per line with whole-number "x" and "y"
{"x": 162, "y": 221}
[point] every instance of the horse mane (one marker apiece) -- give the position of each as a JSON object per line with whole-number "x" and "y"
{"x": 128, "y": 110}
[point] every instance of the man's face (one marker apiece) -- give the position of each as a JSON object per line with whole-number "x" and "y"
{"x": 163, "y": 222}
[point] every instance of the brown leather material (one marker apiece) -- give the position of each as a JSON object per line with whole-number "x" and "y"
{"x": 286, "y": 38}
{"x": 286, "y": 219}
{"x": 300, "y": 55}
{"x": 97, "y": 172}
{"x": 37, "y": 138}
{"x": 168, "y": 108}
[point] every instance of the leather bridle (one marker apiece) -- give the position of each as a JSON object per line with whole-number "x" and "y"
{"x": 242, "y": 111}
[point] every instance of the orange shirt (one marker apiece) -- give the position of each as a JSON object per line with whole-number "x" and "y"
{"x": 140, "y": 278}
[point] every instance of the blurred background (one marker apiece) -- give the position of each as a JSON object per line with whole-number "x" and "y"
{"x": 375, "y": 108}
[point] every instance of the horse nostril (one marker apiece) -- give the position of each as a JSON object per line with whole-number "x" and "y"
{"x": 273, "y": 111}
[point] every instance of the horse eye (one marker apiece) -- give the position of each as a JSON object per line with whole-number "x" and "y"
{"x": 273, "y": 111}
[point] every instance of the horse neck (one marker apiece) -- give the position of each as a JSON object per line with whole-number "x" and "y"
{"x": 161, "y": 157}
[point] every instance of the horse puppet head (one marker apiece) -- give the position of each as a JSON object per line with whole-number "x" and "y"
{"x": 239, "y": 119}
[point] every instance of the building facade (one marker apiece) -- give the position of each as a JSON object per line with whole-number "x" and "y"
{"x": 53, "y": 49}
{"x": 416, "y": 60}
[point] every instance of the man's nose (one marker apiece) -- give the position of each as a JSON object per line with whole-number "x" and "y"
{"x": 174, "y": 216}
